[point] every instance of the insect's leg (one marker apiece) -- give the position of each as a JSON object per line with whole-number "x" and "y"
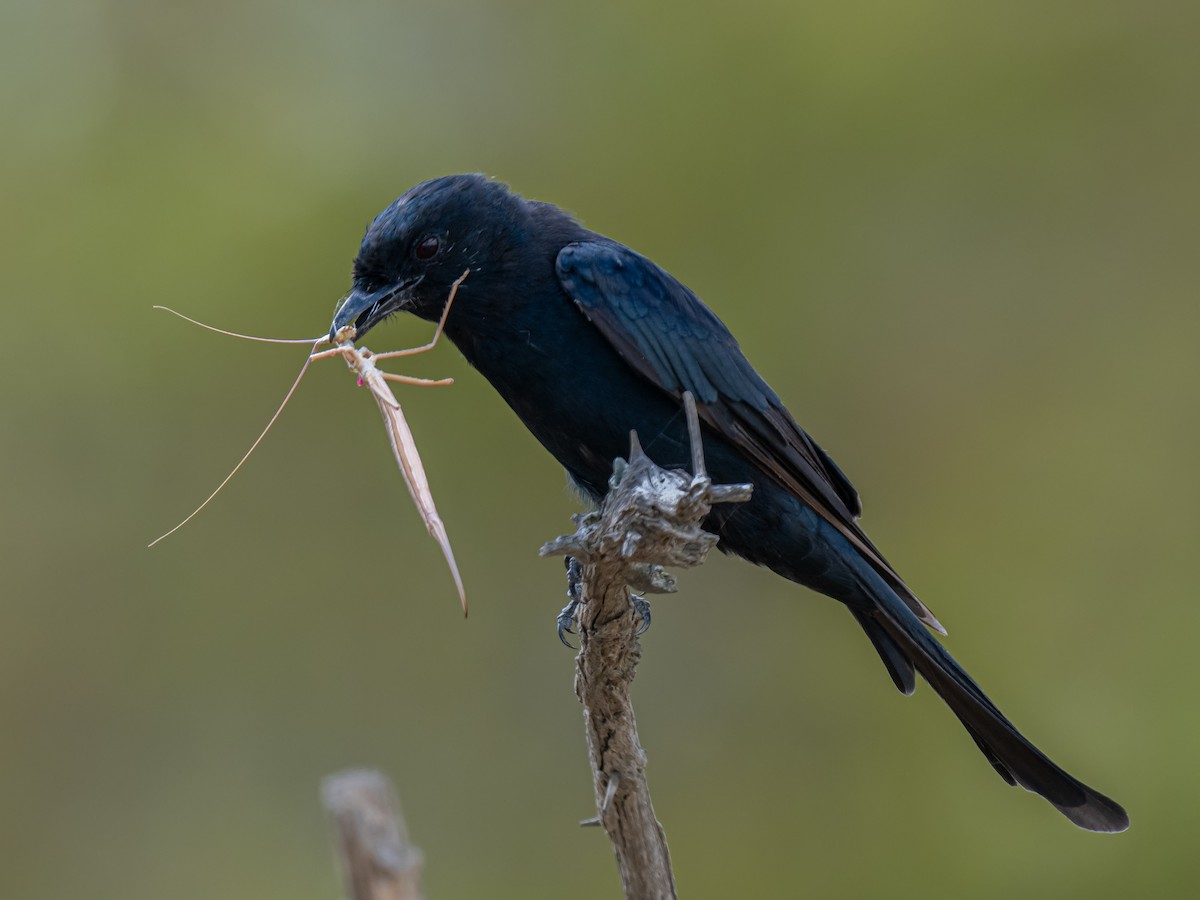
{"x": 326, "y": 354}
{"x": 425, "y": 382}
{"x": 441, "y": 326}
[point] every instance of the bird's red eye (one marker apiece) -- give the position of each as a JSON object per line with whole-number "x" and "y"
{"x": 427, "y": 247}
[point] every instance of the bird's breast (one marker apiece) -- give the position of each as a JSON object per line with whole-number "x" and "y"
{"x": 571, "y": 389}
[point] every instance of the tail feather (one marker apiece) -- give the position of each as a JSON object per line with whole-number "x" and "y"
{"x": 898, "y": 664}
{"x": 991, "y": 757}
{"x": 1014, "y": 757}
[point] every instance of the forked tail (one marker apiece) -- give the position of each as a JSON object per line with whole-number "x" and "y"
{"x": 904, "y": 644}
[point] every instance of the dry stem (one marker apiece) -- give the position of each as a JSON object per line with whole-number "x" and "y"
{"x": 651, "y": 517}
{"x": 378, "y": 861}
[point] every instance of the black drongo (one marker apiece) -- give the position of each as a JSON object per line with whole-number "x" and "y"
{"x": 587, "y": 341}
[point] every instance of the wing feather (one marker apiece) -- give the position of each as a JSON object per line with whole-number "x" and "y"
{"x": 668, "y": 335}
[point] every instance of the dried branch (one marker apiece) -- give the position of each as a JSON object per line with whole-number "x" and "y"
{"x": 378, "y": 861}
{"x": 650, "y": 518}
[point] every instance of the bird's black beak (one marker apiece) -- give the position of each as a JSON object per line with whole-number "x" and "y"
{"x": 366, "y": 309}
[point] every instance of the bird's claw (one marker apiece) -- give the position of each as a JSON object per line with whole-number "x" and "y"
{"x": 641, "y": 609}
{"x": 566, "y": 618}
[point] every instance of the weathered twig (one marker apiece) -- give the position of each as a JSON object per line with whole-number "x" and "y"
{"x": 650, "y": 518}
{"x": 378, "y": 861}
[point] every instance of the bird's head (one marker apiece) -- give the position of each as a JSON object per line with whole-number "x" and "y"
{"x": 419, "y": 246}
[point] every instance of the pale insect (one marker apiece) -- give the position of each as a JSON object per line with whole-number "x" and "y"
{"x": 404, "y": 447}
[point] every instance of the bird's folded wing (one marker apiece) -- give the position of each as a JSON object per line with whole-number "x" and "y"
{"x": 669, "y": 336}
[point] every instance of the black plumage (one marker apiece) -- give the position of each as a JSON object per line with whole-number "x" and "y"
{"x": 587, "y": 340}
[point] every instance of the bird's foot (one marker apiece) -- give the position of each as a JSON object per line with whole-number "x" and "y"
{"x": 566, "y": 618}
{"x": 566, "y": 623}
{"x": 641, "y": 610}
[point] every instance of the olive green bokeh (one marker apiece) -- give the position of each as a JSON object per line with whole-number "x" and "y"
{"x": 960, "y": 240}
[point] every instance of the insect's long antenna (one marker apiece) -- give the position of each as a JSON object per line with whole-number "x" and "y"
{"x": 247, "y": 337}
{"x": 257, "y": 441}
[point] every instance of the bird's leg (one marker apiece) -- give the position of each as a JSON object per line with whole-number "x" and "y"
{"x": 566, "y": 618}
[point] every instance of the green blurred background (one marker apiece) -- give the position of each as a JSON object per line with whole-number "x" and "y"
{"x": 959, "y": 239}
